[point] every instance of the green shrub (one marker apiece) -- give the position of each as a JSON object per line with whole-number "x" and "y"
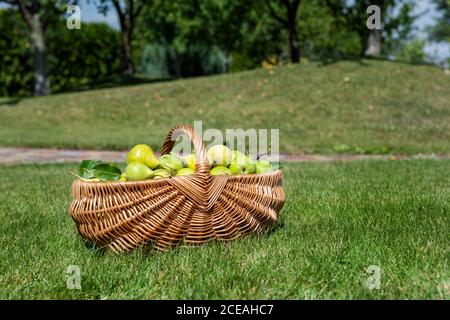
{"x": 160, "y": 60}
{"x": 79, "y": 57}
{"x": 155, "y": 61}
{"x": 412, "y": 52}
{"x": 16, "y": 60}
{"x": 75, "y": 57}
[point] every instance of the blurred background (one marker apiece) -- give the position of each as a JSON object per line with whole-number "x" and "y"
{"x": 133, "y": 41}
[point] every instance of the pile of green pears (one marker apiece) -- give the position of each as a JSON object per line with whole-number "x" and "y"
{"x": 142, "y": 163}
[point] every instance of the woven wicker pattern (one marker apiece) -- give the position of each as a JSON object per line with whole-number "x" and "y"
{"x": 186, "y": 209}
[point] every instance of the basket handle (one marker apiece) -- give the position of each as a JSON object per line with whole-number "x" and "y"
{"x": 201, "y": 161}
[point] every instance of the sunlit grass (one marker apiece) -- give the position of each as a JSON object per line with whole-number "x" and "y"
{"x": 375, "y": 107}
{"x": 339, "y": 219}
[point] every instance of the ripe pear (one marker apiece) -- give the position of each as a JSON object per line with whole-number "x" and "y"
{"x": 171, "y": 162}
{"x": 144, "y": 154}
{"x": 161, "y": 174}
{"x": 220, "y": 155}
{"x": 263, "y": 166}
{"x": 185, "y": 172}
{"x": 189, "y": 160}
{"x": 220, "y": 171}
{"x": 250, "y": 168}
{"x": 244, "y": 162}
{"x": 236, "y": 168}
{"x": 138, "y": 171}
{"x": 238, "y": 156}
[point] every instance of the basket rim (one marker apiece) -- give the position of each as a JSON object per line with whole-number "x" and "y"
{"x": 158, "y": 181}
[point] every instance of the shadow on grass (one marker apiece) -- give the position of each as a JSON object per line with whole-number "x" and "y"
{"x": 111, "y": 82}
{"x": 115, "y": 81}
{"x": 10, "y": 102}
{"x": 148, "y": 248}
{"x": 360, "y": 60}
{"x": 278, "y": 227}
{"x": 363, "y": 61}
{"x": 93, "y": 247}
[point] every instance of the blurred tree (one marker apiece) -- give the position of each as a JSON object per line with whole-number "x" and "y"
{"x": 262, "y": 39}
{"x": 374, "y": 39}
{"x": 245, "y": 31}
{"x": 16, "y": 63}
{"x": 397, "y": 20}
{"x": 37, "y": 14}
{"x": 170, "y": 27}
{"x": 441, "y": 31}
{"x": 225, "y": 20}
{"x": 186, "y": 30}
{"x": 288, "y": 21}
{"x": 326, "y": 35}
{"x": 412, "y": 52}
{"x": 74, "y": 59}
{"x": 127, "y": 11}
{"x": 87, "y": 58}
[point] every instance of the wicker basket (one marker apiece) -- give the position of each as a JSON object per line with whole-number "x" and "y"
{"x": 186, "y": 209}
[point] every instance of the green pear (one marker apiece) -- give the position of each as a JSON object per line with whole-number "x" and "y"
{"x": 220, "y": 171}
{"x": 250, "y": 168}
{"x": 236, "y": 168}
{"x": 185, "y": 172}
{"x": 219, "y": 155}
{"x": 239, "y": 157}
{"x": 171, "y": 162}
{"x": 247, "y": 166}
{"x": 138, "y": 171}
{"x": 161, "y": 174}
{"x": 189, "y": 160}
{"x": 144, "y": 154}
{"x": 263, "y": 166}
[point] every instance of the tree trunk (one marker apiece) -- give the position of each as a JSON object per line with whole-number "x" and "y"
{"x": 41, "y": 82}
{"x": 374, "y": 43}
{"x": 374, "y": 39}
{"x": 293, "y": 43}
{"x": 292, "y": 8}
{"x": 126, "y": 51}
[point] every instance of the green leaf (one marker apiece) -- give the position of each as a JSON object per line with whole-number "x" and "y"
{"x": 107, "y": 172}
{"x": 86, "y": 168}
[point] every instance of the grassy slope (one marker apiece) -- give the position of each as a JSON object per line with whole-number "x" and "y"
{"x": 339, "y": 219}
{"x": 383, "y": 104}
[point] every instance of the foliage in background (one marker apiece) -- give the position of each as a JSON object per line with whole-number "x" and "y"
{"x": 127, "y": 11}
{"x": 37, "y": 15}
{"x": 16, "y": 62}
{"x": 244, "y": 31}
{"x": 325, "y": 34}
{"x": 441, "y": 31}
{"x": 397, "y": 20}
{"x": 412, "y": 52}
{"x": 72, "y": 62}
{"x": 159, "y": 61}
{"x": 181, "y": 38}
{"x": 190, "y": 34}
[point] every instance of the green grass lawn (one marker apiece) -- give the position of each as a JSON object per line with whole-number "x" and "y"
{"x": 339, "y": 219}
{"x": 372, "y": 107}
